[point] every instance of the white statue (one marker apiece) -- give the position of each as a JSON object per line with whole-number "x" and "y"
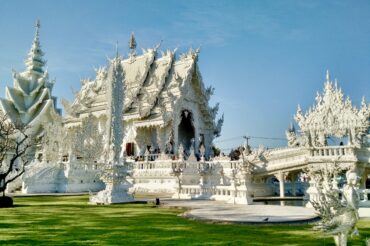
{"x": 338, "y": 218}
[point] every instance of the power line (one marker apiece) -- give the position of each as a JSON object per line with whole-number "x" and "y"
{"x": 268, "y": 138}
{"x": 249, "y": 137}
{"x": 228, "y": 139}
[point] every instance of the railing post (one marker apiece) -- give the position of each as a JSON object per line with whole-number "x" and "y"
{"x": 365, "y": 192}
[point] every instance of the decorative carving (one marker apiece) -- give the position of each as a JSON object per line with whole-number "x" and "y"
{"x": 87, "y": 143}
{"x": 333, "y": 116}
{"x": 181, "y": 152}
{"x": 219, "y": 125}
{"x": 116, "y": 168}
{"x": 30, "y": 101}
{"x": 339, "y": 218}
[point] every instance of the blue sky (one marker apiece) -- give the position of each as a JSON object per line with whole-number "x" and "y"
{"x": 263, "y": 57}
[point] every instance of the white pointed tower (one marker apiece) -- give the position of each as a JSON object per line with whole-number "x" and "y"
{"x": 114, "y": 175}
{"x": 30, "y": 101}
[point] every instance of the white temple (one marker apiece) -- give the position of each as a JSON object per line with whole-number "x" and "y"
{"x": 166, "y": 103}
{"x": 166, "y": 133}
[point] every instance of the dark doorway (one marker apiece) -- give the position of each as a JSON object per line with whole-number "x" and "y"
{"x": 186, "y": 129}
{"x": 130, "y": 149}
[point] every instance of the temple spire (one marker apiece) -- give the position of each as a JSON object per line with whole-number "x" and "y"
{"x": 35, "y": 61}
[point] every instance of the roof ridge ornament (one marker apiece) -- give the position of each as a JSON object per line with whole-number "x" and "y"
{"x": 327, "y": 75}
{"x": 158, "y": 45}
{"x": 132, "y": 43}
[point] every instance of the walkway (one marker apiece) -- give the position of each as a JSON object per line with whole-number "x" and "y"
{"x": 223, "y": 212}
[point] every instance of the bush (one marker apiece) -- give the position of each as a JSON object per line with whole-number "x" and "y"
{"x": 6, "y": 202}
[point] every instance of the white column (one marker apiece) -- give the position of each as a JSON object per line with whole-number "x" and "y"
{"x": 293, "y": 177}
{"x": 281, "y": 178}
{"x": 176, "y": 138}
{"x": 364, "y": 178}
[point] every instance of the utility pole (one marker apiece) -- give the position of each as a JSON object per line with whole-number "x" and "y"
{"x": 247, "y": 139}
{"x": 247, "y": 143}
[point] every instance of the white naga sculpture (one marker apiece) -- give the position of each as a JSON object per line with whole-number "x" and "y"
{"x": 338, "y": 217}
{"x": 115, "y": 168}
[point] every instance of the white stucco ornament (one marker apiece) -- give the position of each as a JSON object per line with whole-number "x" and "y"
{"x": 339, "y": 217}
{"x": 115, "y": 168}
{"x": 333, "y": 115}
{"x": 30, "y": 101}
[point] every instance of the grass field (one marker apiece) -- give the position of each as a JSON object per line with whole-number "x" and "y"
{"x": 62, "y": 220}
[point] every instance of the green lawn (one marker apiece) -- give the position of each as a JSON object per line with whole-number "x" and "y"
{"x": 64, "y": 220}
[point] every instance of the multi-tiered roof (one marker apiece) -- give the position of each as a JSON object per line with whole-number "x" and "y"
{"x": 334, "y": 115}
{"x": 30, "y": 101}
{"x": 153, "y": 86}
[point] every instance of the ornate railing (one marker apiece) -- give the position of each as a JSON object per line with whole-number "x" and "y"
{"x": 332, "y": 151}
{"x": 364, "y": 195}
{"x": 153, "y": 157}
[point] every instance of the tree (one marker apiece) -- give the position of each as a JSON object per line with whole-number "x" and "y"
{"x": 16, "y": 151}
{"x": 216, "y": 151}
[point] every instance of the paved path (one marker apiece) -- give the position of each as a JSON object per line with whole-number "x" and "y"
{"x": 364, "y": 212}
{"x": 223, "y": 212}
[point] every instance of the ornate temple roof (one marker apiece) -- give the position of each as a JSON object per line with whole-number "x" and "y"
{"x": 153, "y": 85}
{"x": 334, "y": 115}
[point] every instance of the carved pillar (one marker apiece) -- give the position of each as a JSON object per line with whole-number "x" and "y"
{"x": 208, "y": 145}
{"x": 175, "y": 137}
{"x": 293, "y": 179}
{"x": 160, "y": 140}
{"x": 140, "y": 142}
{"x": 196, "y": 139}
{"x": 281, "y": 177}
{"x": 364, "y": 176}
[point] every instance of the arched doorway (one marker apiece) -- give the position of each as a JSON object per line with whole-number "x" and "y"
{"x": 186, "y": 129}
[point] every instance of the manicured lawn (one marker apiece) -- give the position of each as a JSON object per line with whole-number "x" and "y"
{"x": 70, "y": 220}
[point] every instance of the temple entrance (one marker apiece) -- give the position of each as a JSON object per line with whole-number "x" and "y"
{"x": 186, "y": 129}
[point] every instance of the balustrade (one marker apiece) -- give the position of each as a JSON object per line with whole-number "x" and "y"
{"x": 332, "y": 151}
{"x": 364, "y": 195}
